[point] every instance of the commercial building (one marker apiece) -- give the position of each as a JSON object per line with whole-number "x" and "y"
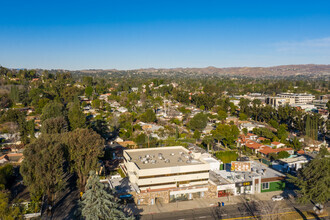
{"x": 279, "y": 101}
{"x": 248, "y": 178}
{"x": 298, "y": 98}
{"x": 290, "y": 99}
{"x": 168, "y": 174}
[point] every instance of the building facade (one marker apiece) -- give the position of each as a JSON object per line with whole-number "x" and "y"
{"x": 167, "y": 174}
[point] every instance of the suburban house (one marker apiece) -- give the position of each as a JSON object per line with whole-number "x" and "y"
{"x": 265, "y": 151}
{"x": 276, "y": 144}
{"x": 13, "y": 158}
{"x": 292, "y": 164}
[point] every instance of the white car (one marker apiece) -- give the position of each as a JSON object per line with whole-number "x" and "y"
{"x": 277, "y": 198}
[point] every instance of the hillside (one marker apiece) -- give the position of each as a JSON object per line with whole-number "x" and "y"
{"x": 281, "y": 71}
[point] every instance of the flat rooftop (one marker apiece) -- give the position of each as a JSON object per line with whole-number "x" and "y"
{"x": 257, "y": 169}
{"x": 162, "y": 157}
{"x": 293, "y": 159}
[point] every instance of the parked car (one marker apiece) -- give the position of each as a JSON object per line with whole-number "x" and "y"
{"x": 277, "y": 198}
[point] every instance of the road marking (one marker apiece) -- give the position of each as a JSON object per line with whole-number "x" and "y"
{"x": 181, "y": 219}
{"x": 282, "y": 213}
{"x": 202, "y": 216}
{"x": 255, "y": 216}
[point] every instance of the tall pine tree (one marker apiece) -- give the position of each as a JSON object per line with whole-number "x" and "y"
{"x": 314, "y": 179}
{"x": 98, "y": 202}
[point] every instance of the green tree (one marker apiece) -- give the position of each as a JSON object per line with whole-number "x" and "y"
{"x": 198, "y": 122}
{"x": 282, "y": 155}
{"x": 5, "y": 101}
{"x": 42, "y": 167}
{"x": 244, "y": 104}
{"x": 295, "y": 144}
{"x": 148, "y": 116}
{"x": 96, "y": 103}
{"x": 100, "y": 126}
{"x": 7, "y": 211}
{"x": 274, "y": 123}
{"x": 208, "y": 140}
{"x": 98, "y": 202}
{"x": 52, "y": 110}
{"x": 197, "y": 135}
{"x": 6, "y": 176}
{"x": 282, "y": 133}
{"x": 228, "y": 133}
{"x": 313, "y": 180}
{"x": 89, "y": 91}
{"x": 141, "y": 139}
{"x": 245, "y": 131}
{"x": 76, "y": 117}
{"x": 222, "y": 115}
{"x": 242, "y": 116}
{"x": 54, "y": 125}
{"x": 84, "y": 147}
{"x": 14, "y": 94}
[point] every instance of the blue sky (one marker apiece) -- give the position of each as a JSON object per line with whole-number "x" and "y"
{"x": 163, "y": 34}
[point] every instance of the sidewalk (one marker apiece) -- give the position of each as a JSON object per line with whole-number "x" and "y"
{"x": 198, "y": 203}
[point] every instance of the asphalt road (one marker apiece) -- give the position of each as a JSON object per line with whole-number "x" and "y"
{"x": 238, "y": 211}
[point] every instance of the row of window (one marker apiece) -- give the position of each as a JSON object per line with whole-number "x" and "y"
{"x": 177, "y": 183}
{"x": 173, "y": 174}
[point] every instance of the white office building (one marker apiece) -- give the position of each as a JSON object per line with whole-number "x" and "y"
{"x": 167, "y": 174}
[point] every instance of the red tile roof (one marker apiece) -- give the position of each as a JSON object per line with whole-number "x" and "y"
{"x": 253, "y": 145}
{"x": 300, "y": 151}
{"x": 268, "y": 150}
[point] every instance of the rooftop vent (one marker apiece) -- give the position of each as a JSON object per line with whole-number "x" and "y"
{"x": 160, "y": 156}
{"x": 180, "y": 159}
{"x": 172, "y": 154}
{"x": 167, "y": 161}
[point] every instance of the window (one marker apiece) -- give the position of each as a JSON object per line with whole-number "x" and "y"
{"x": 265, "y": 185}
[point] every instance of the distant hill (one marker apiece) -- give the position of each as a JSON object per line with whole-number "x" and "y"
{"x": 281, "y": 71}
